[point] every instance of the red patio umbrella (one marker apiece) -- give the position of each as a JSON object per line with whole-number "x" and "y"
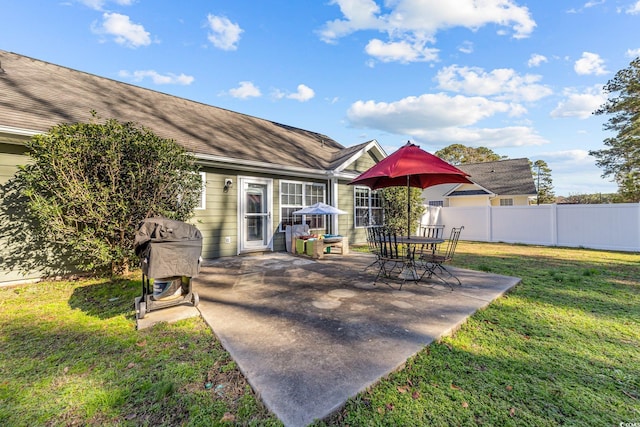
{"x": 413, "y": 167}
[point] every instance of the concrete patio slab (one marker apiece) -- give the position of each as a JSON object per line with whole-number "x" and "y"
{"x": 310, "y": 334}
{"x": 169, "y": 315}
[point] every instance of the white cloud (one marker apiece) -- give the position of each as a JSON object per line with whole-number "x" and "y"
{"x": 502, "y": 83}
{"x": 411, "y": 24}
{"x": 575, "y": 157}
{"x": 245, "y": 90}
{"x": 579, "y": 105}
{"x": 509, "y": 136}
{"x": 634, "y": 9}
{"x": 575, "y": 172}
{"x": 590, "y": 63}
{"x": 428, "y": 111}
{"x": 466, "y": 47}
{"x": 157, "y": 78}
{"x": 536, "y": 59}
{"x": 99, "y": 4}
{"x": 427, "y": 17}
{"x": 442, "y": 119}
{"x": 587, "y": 5}
{"x": 125, "y": 32}
{"x": 633, "y": 53}
{"x": 359, "y": 14}
{"x": 303, "y": 94}
{"x": 225, "y": 34}
{"x": 593, "y": 3}
{"x": 401, "y": 51}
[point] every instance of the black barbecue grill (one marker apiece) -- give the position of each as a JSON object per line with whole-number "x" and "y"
{"x": 169, "y": 254}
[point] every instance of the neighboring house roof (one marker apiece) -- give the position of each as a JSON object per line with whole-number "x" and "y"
{"x": 504, "y": 177}
{"x": 469, "y": 193}
{"x": 38, "y": 95}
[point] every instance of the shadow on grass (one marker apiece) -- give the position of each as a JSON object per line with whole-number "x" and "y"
{"x": 107, "y": 299}
{"x": 70, "y": 355}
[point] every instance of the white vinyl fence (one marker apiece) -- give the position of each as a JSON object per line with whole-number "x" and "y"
{"x": 611, "y": 227}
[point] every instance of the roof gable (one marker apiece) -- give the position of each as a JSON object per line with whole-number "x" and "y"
{"x": 38, "y": 95}
{"x": 346, "y": 157}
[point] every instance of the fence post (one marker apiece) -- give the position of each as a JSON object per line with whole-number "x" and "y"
{"x": 489, "y": 224}
{"x": 554, "y": 224}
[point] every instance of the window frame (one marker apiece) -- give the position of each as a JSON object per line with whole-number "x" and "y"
{"x": 203, "y": 192}
{"x": 370, "y": 209}
{"x": 308, "y": 197}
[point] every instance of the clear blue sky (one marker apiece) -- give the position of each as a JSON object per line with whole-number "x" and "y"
{"x": 519, "y": 77}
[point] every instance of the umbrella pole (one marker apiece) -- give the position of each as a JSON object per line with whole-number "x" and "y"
{"x": 408, "y": 208}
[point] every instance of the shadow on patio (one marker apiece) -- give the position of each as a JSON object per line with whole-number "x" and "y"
{"x": 310, "y": 334}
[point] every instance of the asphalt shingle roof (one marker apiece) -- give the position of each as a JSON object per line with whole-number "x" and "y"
{"x": 503, "y": 177}
{"x": 38, "y": 95}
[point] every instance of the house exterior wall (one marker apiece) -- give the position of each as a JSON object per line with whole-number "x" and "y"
{"x": 461, "y": 201}
{"x": 346, "y": 224}
{"x": 517, "y": 200}
{"x": 346, "y": 196}
{"x": 11, "y": 155}
{"x": 436, "y": 193}
{"x": 362, "y": 164}
{"x": 219, "y": 218}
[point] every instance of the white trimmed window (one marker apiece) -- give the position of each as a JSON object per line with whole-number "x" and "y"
{"x": 506, "y": 202}
{"x": 296, "y": 195}
{"x": 368, "y": 208}
{"x": 203, "y": 192}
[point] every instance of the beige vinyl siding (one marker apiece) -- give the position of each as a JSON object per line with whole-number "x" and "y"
{"x": 518, "y": 200}
{"x": 11, "y": 155}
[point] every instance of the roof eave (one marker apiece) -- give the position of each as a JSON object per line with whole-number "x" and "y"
{"x": 17, "y": 136}
{"x": 255, "y": 166}
{"x": 214, "y": 161}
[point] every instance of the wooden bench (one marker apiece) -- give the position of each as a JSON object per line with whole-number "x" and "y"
{"x": 319, "y": 247}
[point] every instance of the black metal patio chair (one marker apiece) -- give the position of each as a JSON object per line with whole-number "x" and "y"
{"x": 395, "y": 257}
{"x": 433, "y": 232}
{"x": 433, "y": 262}
{"x": 374, "y": 245}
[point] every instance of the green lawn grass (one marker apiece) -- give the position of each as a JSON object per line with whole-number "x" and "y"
{"x": 562, "y": 348}
{"x": 70, "y": 355}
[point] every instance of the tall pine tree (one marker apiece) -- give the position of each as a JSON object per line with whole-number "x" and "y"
{"x": 544, "y": 184}
{"x": 621, "y": 160}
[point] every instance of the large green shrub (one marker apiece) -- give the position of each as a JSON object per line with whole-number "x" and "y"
{"x": 89, "y": 185}
{"x": 395, "y": 208}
